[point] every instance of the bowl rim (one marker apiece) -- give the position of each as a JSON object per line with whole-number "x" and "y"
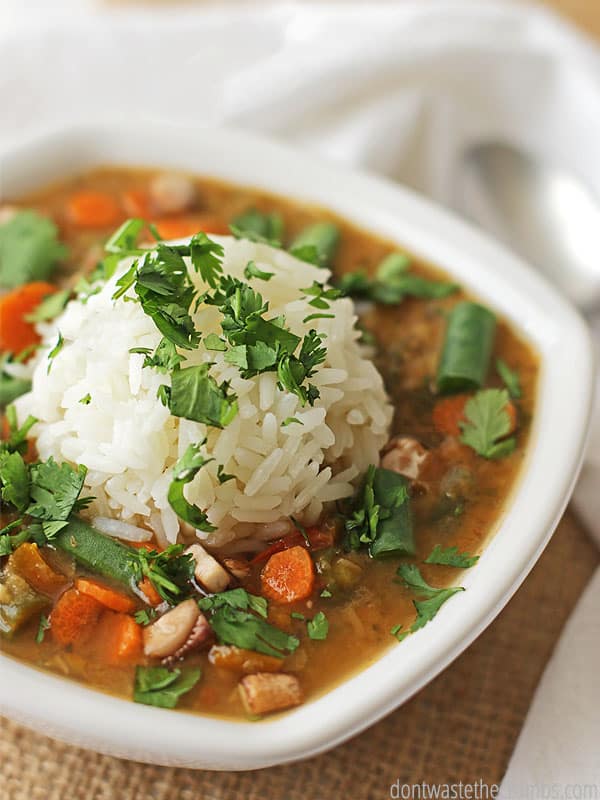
{"x": 86, "y": 717}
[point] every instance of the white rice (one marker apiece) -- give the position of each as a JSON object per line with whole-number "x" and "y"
{"x": 129, "y": 441}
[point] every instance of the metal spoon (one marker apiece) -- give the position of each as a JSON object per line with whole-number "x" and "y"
{"x": 545, "y": 214}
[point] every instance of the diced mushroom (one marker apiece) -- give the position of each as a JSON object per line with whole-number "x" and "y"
{"x": 263, "y": 692}
{"x": 170, "y": 632}
{"x": 237, "y": 659}
{"x": 239, "y": 567}
{"x": 200, "y": 636}
{"x": 405, "y": 456}
{"x": 208, "y": 571}
{"x": 172, "y": 193}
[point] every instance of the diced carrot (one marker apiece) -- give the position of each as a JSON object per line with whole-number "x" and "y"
{"x": 110, "y": 598}
{"x": 147, "y": 588}
{"x": 93, "y": 209}
{"x": 316, "y": 539}
{"x": 15, "y": 332}
{"x": 448, "y": 413}
{"x": 27, "y": 562}
{"x": 120, "y": 638}
{"x": 74, "y": 617}
{"x": 187, "y": 225}
{"x": 136, "y": 203}
{"x": 288, "y": 576}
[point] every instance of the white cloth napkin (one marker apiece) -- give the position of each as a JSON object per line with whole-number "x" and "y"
{"x": 400, "y": 89}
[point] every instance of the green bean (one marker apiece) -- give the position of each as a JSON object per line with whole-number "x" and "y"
{"x": 317, "y": 243}
{"x": 467, "y": 349}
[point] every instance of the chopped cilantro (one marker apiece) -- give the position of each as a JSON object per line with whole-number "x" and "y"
{"x": 50, "y": 307}
{"x": 184, "y": 471}
{"x": 451, "y": 557}
{"x": 321, "y": 296}
{"x": 42, "y": 628}
{"x": 235, "y": 598}
{"x": 159, "y": 686}
{"x": 223, "y": 476}
{"x": 195, "y": 395}
{"x": 29, "y": 249}
{"x": 170, "y": 571}
{"x": 55, "y": 350}
{"x": 252, "y": 271}
{"x": 297, "y": 615}
{"x": 145, "y": 616}
{"x": 318, "y": 626}
{"x": 291, "y": 421}
{"x": 292, "y": 370}
{"x": 17, "y": 437}
{"x": 434, "y": 597}
{"x": 397, "y": 633}
{"x": 214, "y": 342}
{"x": 325, "y": 593}
{"x": 318, "y": 315}
{"x": 206, "y": 258}
{"x": 55, "y": 490}
{"x": 86, "y": 399}
{"x": 510, "y": 378}
{"x": 258, "y": 227}
{"x": 164, "y": 359}
{"x": 488, "y": 423}
{"x": 381, "y": 517}
{"x": 14, "y": 479}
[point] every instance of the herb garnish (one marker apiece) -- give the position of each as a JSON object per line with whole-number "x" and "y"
{"x": 487, "y": 423}
{"x": 258, "y": 227}
{"x": 159, "y": 686}
{"x": 510, "y": 378}
{"x": 29, "y": 249}
{"x": 184, "y": 471}
{"x": 195, "y": 395}
{"x": 42, "y": 628}
{"x": 451, "y": 557}
{"x": 50, "y": 307}
{"x": 434, "y": 597}
{"x": 318, "y": 626}
{"x": 55, "y": 350}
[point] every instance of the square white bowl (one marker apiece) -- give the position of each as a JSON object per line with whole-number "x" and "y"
{"x": 70, "y": 711}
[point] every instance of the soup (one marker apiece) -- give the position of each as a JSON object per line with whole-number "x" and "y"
{"x": 222, "y": 492}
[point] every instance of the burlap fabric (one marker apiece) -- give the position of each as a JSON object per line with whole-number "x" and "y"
{"x": 462, "y": 727}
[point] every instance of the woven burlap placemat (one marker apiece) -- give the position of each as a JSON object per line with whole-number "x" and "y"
{"x": 462, "y": 727}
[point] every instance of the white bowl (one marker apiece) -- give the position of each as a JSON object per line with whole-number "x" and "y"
{"x": 88, "y": 718}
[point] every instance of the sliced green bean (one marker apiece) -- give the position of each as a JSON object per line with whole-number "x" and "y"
{"x": 467, "y": 349}
{"x": 317, "y": 243}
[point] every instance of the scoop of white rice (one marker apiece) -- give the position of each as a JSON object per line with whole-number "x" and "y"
{"x": 129, "y": 441}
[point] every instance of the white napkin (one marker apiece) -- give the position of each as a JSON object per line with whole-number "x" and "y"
{"x": 399, "y": 89}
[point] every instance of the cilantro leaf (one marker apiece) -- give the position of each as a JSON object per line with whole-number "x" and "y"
{"x": 214, "y": 342}
{"x": 235, "y": 598}
{"x": 50, "y": 307}
{"x": 17, "y": 437}
{"x": 321, "y": 296}
{"x": 206, "y": 256}
{"x": 398, "y": 633}
{"x": 246, "y": 630}
{"x": 252, "y": 271}
{"x": 292, "y": 370}
{"x": 488, "y": 423}
{"x": 291, "y": 421}
{"x": 195, "y": 395}
{"x": 184, "y": 471}
{"x": 55, "y": 489}
{"x": 170, "y": 571}
{"x": 86, "y": 399}
{"x": 258, "y": 227}
{"x": 450, "y": 557}
{"x": 145, "y": 616}
{"x": 318, "y": 626}
{"x": 29, "y": 249}
{"x": 159, "y": 686}
{"x": 165, "y": 358}
{"x": 14, "y": 478}
{"x": 381, "y": 517}
{"x": 510, "y": 378}
{"x": 434, "y": 596}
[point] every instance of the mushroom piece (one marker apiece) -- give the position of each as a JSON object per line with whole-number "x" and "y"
{"x": 170, "y": 632}
{"x": 404, "y": 455}
{"x": 264, "y": 692}
{"x": 172, "y": 193}
{"x": 207, "y": 570}
{"x": 239, "y": 567}
{"x": 200, "y": 635}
